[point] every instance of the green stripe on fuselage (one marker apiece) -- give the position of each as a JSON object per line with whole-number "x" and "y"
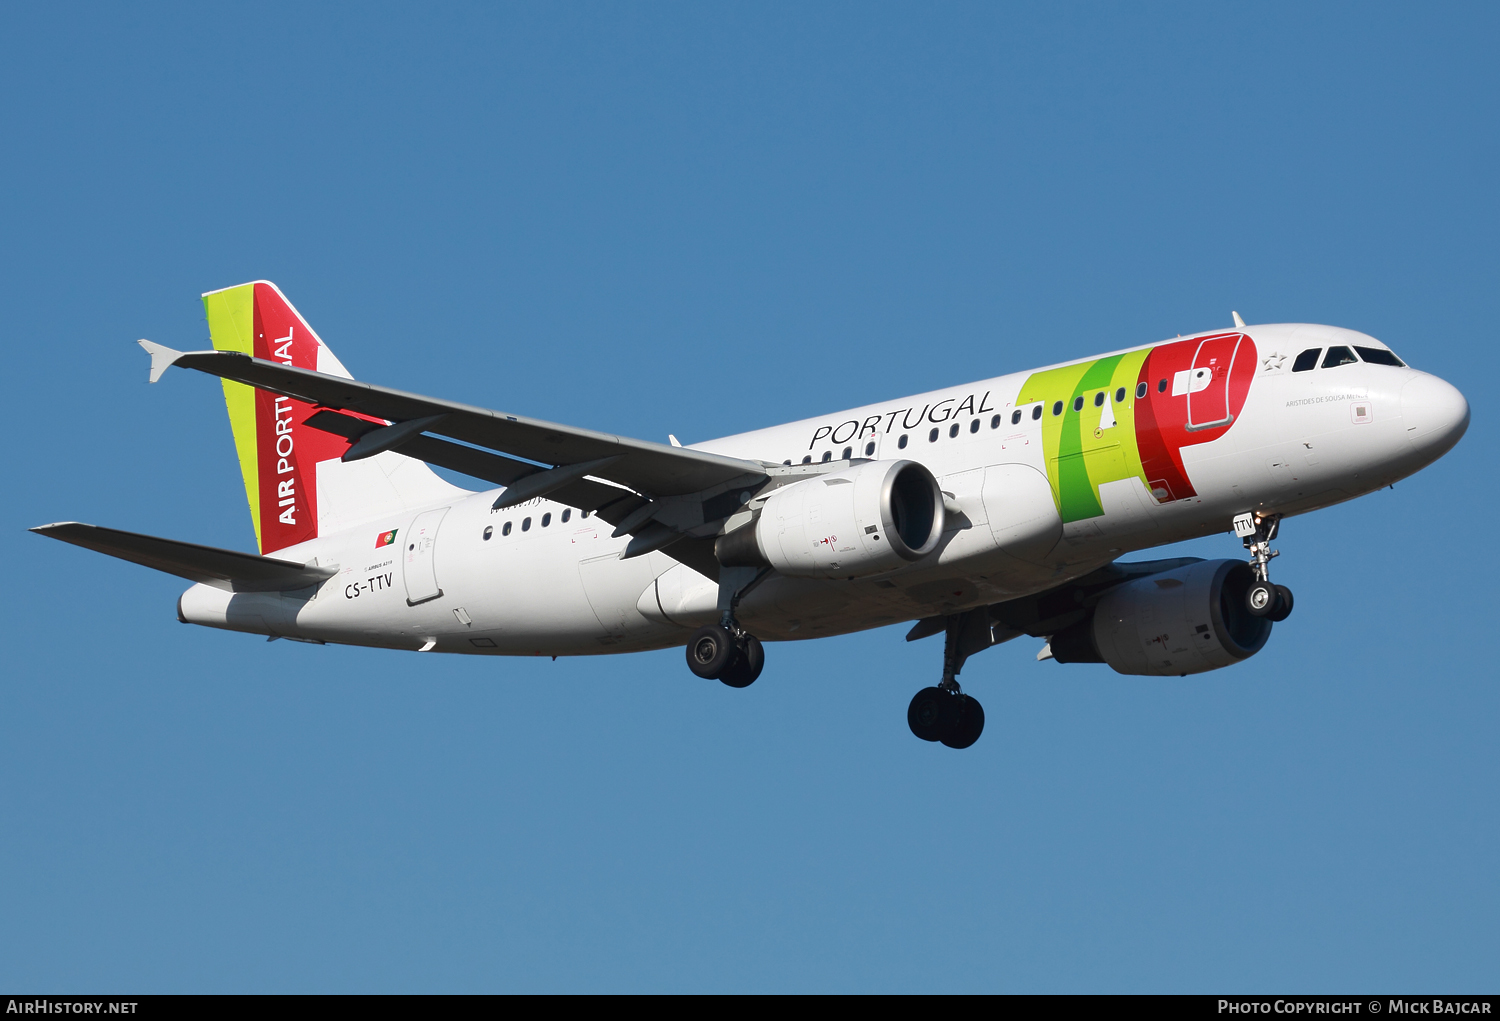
{"x": 1083, "y": 449}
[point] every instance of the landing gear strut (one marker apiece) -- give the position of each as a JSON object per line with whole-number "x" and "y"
{"x": 945, "y": 713}
{"x": 1263, "y": 599}
{"x": 725, "y": 651}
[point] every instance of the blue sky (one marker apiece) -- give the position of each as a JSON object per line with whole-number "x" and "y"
{"x": 700, "y": 219}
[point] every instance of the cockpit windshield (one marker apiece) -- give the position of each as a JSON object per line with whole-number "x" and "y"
{"x": 1307, "y": 360}
{"x": 1339, "y": 355}
{"x": 1379, "y": 356}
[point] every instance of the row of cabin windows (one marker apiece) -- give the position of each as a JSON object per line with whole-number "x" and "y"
{"x": 1099, "y": 399}
{"x": 1016, "y": 417}
{"x": 1306, "y": 360}
{"x": 932, "y": 436}
{"x": 1340, "y": 355}
{"x": 505, "y": 529}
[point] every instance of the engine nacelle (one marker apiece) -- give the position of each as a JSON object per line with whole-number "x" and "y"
{"x": 869, "y": 519}
{"x": 1183, "y": 621}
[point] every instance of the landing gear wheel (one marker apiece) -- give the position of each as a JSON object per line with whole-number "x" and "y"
{"x": 746, "y": 665}
{"x": 933, "y": 713}
{"x": 970, "y": 723}
{"x": 1283, "y": 608}
{"x": 711, "y": 651}
{"x": 1260, "y": 598}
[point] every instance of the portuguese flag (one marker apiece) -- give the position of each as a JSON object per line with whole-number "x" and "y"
{"x": 385, "y": 538}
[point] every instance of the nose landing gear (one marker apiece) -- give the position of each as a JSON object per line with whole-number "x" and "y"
{"x": 1263, "y": 599}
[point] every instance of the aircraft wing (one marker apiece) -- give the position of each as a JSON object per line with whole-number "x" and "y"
{"x": 222, "y": 568}
{"x": 651, "y": 469}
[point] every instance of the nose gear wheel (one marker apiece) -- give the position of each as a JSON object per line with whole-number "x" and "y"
{"x": 1263, "y": 598}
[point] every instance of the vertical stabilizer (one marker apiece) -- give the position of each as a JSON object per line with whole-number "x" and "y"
{"x": 297, "y": 487}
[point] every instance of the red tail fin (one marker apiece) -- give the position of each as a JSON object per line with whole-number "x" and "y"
{"x": 281, "y": 458}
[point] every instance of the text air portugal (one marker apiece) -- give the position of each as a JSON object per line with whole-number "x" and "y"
{"x": 287, "y": 450}
{"x": 278, "y": 452}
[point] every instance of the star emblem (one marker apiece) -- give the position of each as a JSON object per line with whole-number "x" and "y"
{"x": 1273, "y": 361}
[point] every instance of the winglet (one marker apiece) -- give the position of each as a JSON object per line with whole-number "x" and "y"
{"x": 162, "y": 357}
{"x": 1239, "y": 324}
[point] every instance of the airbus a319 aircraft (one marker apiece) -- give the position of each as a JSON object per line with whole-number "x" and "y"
{"x": 983, "y": 511}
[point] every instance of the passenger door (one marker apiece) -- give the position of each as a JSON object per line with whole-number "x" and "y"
{"x": 1208, "y": 382}
{"x": 419, "y": 568}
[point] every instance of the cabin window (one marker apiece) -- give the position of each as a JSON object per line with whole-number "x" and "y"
{"x": 788, "y": 461}
{"x": 584, "y": 514}
{"x": 1078, "y": 403}
{"x": 505, "y": 528}
{"x": 1120, "y": 396}
{"x": 1099, "y": 399}
{"x": 807, "y": 459}
{"x": 953, "y": 430}
{"x": 546, "y": 519}
{"x": 489, "y": 530}
{"x": 525, "y": 524}
{"x": 901, "y": 443}
{"x": 848, "y": 453}
{"x": 1338, "y": 356}
{"x": 1036, "y": 412}
{"x": 870, "y": 449}
{"x": 1056, "y": 408}
{"x": 932, "y": 436}
{"x": 1140, "y": 391}
{"x": 1161, "y": 386}
{"x": 974, "y": 426}
{"x": 1307, "y": 360}
{"x": 1378, "y": 356}
{"x": 567, "y": 513}
{"x": 827, "y": 455}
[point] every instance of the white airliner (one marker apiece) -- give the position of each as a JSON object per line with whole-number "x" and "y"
{"x": 982, "y": 511}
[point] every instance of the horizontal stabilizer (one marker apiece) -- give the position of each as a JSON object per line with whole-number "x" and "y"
{"x": 221, "y": 568}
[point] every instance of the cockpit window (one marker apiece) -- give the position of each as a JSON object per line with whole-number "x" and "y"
{"x": 1377, "y": 356}
{"x": 1307, "y": 360}
{"x": 1338, "y": 356}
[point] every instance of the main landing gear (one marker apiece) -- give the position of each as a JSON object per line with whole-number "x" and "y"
{"x": 715, "y": 652}
{"x": 1263, "y": 599}
{"x": 945, "y": 713}
{"x": 725, "y": 651}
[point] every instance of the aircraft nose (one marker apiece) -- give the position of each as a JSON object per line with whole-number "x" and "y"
{"x": 1435, "y": 413}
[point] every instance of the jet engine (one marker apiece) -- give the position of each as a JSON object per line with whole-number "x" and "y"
{"x": 868, "y": 519}
{"x": 1183, "y": 621}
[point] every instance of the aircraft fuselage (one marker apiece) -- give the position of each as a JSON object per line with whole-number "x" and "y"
{"x": 1047, "y": 475}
